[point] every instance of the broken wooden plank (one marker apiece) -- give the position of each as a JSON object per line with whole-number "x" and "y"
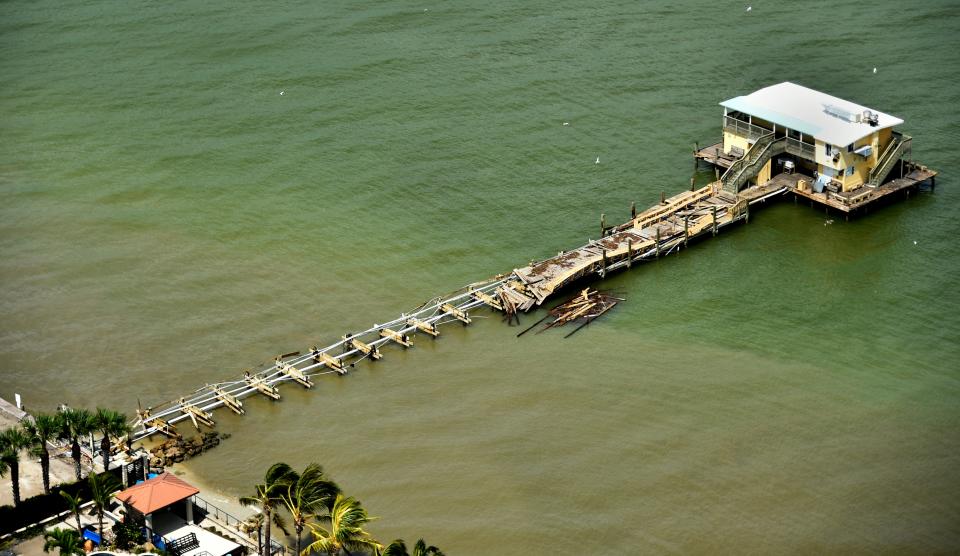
{"x": 487, "y": 299}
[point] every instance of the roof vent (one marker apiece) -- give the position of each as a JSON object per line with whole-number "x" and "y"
{"x": 871, "y": 118}
{"x": 842, "y": 113}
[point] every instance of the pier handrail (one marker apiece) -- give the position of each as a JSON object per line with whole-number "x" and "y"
{"x": 759, "y": 153}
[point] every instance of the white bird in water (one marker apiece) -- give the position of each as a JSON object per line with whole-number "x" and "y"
{"x": 828, "y": 222}
{"x": 874, "y": 70}
{"x": 597, "y": 161}
{"x": 566, "y": 123}
{"x": 281, "y": 93}
{"x": 914, "y": 242}
{"x": 749, "y": 8}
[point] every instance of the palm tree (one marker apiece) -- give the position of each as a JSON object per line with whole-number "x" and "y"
{"x": 73, "y": 504}
{"x": 43, "y": 429}
{"x": 255, "y": 522}
{"x": 309, "y": 494}
{"x": 11, "y": 442}
{"x": 67, "y": 540}
{"x": 267, "y": 496}
{"x": 398, "y": 548}
{"x": 102, "y": 488}
{"x": 110, "y": 423}
{"x": 74, "y": 425}
{"x": 347, "y": 518}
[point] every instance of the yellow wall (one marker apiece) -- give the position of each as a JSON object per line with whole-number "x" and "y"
{"x": 734, "y": 140}
{"x": 764, "y": 175}
{"x": 883, "y": 139}
{"x": 861, "y": 165}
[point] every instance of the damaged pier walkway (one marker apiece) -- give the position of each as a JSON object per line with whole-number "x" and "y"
{"x": 660, "y": 230}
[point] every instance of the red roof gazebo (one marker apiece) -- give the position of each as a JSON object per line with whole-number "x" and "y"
{"x": 159, "y": 493}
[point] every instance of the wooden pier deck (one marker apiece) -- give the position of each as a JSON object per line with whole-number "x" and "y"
{"x": 658, "y": 231}
{"x": 714, "y": 155}
{"x": 851, "y": 201}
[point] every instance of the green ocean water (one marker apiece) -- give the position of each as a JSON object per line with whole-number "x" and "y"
{"x": 167, "y": 218}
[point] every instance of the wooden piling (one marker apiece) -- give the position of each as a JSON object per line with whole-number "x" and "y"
{"x": 370, "y": 351}
{"x": 260, "y": 385}
{"x": 714, "y": 220}
{"x": 397, "y": 337}
{"x": 686, "y": 230}
{"x": 297, "y": 375}
{"x": 663, "y": 198}
{"x": 629, "y": 253}
{"x": 603, "y": 224}
{"x": 603, "y": 262}
{"x": 658, "y": 241}
{"x": 633, "y": 209}
{"x": 228, "y": 400}
{"x": 423, "y": 327}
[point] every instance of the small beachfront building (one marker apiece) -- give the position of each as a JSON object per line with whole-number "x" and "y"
{"x": 842, "y": 144}
{"x": 164, "y": 505}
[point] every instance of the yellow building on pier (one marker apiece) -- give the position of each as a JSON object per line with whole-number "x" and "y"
{"x": 844, "y": 146}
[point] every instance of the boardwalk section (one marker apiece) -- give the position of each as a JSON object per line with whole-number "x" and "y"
{"x": 658, "y": 231}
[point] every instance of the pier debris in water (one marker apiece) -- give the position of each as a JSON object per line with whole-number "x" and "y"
{"x": 585, "y": 307}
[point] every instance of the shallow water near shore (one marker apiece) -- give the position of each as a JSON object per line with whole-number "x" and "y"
{"x": 169, "y": 218}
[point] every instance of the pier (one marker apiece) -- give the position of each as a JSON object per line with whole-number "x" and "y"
{"x": 757, "y": 160}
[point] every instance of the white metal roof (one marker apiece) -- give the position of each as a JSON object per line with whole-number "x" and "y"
{"x": 826, "y": 117}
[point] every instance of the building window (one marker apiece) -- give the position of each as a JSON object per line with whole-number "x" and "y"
{"x": 849, "y": 170}
{"x": 850, "y": 148}
{"x": 829, "y": 148}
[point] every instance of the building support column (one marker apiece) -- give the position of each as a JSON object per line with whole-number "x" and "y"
{"x": 190, "y": 510}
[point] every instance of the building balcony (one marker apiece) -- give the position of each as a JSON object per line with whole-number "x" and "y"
{"x": 743, "y": 129}
{"x": 801, "y": 149}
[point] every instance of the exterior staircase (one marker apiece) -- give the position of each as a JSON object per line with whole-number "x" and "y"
{"x": 898, "y": 145}
{"x": 752, "y": 162}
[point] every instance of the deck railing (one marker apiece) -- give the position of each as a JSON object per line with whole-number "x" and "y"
{"x": 739, "y": 172}
{"x": 801, "y": 149}
{"x": 743, "y": 129}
